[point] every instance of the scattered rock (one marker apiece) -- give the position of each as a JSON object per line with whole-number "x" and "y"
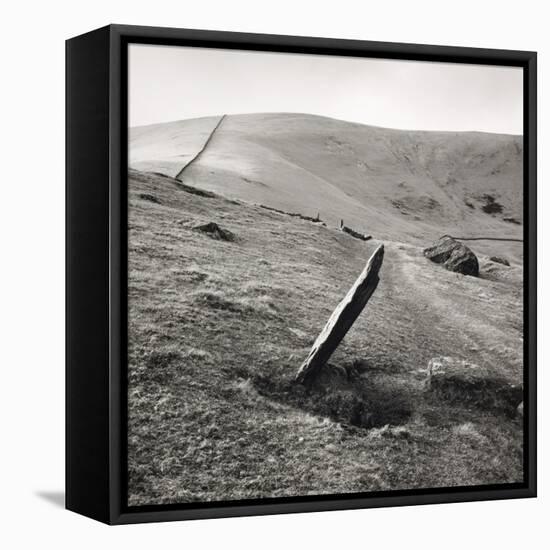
{"x": 214, "y": 231}
{"x": 454, "y": 256}
{"x": 499, "y": 260}
{"x": 459, "y": 381}
{"x": 519, "y": 410}
{"x": 148, "y": 197}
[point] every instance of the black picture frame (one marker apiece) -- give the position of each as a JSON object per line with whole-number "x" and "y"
{"x": 96, "y": 288}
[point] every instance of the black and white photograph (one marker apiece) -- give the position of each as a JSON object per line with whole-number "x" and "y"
{"x": 325, "y": 275}
{"x": 274, "y": 275}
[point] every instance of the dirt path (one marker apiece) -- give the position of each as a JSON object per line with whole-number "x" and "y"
{"x": 468, "y": 317}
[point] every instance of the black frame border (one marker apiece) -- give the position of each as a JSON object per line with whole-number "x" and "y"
{"x": 119, "y": 37}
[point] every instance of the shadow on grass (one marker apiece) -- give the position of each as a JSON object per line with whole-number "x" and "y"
{"x": 342, "y": 393}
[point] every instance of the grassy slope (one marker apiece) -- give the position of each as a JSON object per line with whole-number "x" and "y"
{"x": 396, "y": 184}
{"x": 167, "y": 147}
{"x": 216, "y": 330}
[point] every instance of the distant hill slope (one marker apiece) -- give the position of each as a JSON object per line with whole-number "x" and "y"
{"x": 409, "y": 186}
{"x": 166, "y": 148}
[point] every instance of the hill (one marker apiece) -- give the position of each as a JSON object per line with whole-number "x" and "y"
{"x": 405, "y": 186}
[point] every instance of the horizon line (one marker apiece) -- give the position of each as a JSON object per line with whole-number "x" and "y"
{"x": 292, "y": 113}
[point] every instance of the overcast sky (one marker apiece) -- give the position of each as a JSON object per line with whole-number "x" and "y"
{"x": 169, "y": 83}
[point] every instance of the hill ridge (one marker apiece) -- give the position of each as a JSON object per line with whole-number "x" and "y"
{"x": 409, "y": 186}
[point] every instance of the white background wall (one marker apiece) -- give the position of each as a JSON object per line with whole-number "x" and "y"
{"x": 32, "y": 273}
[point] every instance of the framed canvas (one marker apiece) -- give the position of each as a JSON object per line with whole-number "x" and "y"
{"x": 301, "y": 274}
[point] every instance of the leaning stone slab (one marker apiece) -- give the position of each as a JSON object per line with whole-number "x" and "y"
{"x": 464, "y": 383}
{"x": 342, "y": 319}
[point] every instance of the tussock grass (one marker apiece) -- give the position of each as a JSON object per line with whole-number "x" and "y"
{"x": 218, "y": 300}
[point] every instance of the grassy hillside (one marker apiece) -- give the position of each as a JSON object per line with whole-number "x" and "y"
{"x": 167, "y": 148}
{"x": 217, "y": 329}
{"x": 400, "y": 185}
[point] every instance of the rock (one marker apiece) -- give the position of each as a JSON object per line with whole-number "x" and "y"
{"x": 454, "y": 256}
{"x": 461, "y": 382}
{"x": 342, "y": 318}
{"x": 519, "y": 410}
{"x": 499, "y": 260}
{"x": 214, "y": 231}
{"x": 148, "y": 197}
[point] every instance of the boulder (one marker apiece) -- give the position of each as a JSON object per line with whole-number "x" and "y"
{"x": 460, "y": 382}
{"x": 454, "y": 256}
{"x": 214, "y": 231}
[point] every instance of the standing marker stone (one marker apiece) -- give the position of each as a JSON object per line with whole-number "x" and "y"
{"x": 342, "y": 319}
